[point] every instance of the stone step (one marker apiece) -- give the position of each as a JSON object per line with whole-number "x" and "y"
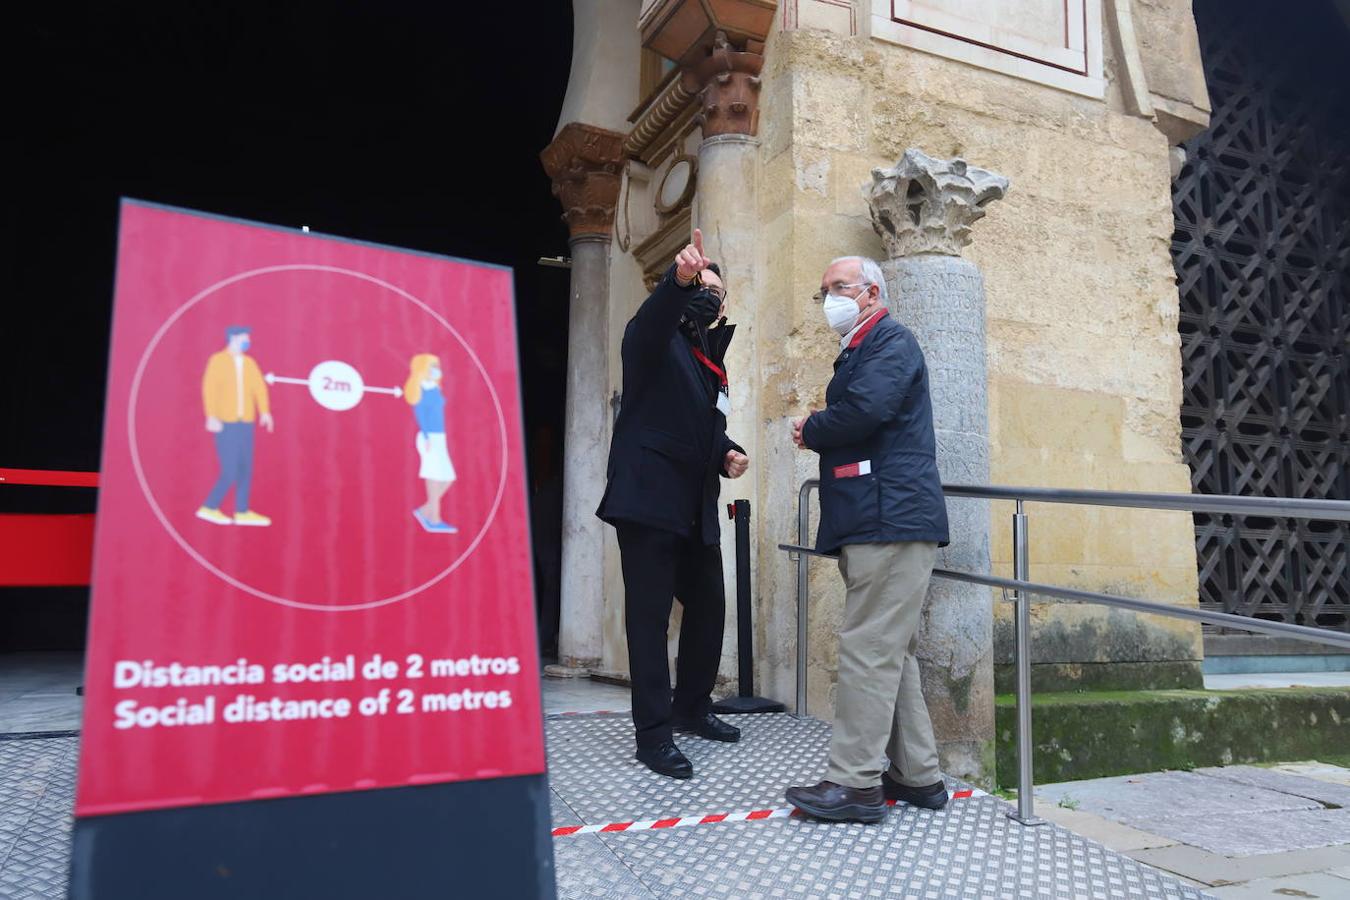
{"x": 1098, "y": 734}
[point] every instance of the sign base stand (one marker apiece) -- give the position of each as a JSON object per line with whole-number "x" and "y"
{"x": 459, "y": 839}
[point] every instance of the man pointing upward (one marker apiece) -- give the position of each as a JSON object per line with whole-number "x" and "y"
{"x": 670, "y": 446}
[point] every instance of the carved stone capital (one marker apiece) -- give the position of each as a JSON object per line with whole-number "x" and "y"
{"x": 729, "y": 101}
{"x": 585, "y": 163}
{"x": 927, "y": 205}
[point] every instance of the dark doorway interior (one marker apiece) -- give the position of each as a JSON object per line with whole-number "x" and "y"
{"x": 411, "y": 124}
{"x": 1262, "y": 252}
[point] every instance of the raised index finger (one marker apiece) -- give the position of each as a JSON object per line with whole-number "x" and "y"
{"x": 698, "y": 241}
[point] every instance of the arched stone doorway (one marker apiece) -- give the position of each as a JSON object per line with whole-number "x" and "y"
{"x": 1262, "y": 252}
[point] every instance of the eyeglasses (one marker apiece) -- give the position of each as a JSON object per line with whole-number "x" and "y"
{"x": 819, "y": 296}
{"x": 719, "y": 293}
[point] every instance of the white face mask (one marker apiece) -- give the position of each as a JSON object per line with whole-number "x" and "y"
{"x": 841, "y": 312}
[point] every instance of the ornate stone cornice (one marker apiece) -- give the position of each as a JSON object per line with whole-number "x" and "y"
{"x": 680, "y": 30}
{"x": 585, "y": 162}
{"x": 730, "y": 96}
{"x": 927, "y": 205}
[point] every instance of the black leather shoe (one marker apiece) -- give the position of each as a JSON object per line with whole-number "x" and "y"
{"x": 710, "y": 727}
{"x": 932, "y": 797}
{"x": 837, "y": 803}
{"x": 666, "y": 759}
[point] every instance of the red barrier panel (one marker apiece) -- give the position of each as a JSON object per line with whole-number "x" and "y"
{"x": 45, "y": 550}
{"x": 49, "y": 478}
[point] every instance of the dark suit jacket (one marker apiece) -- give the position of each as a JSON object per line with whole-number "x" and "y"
{"x": 878, "y": 458}
{"x": 669, "y": 441}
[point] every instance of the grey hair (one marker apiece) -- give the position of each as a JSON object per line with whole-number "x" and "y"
{"x": 871, "y": 273}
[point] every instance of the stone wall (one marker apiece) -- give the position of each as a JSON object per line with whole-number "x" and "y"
{"x": 1083, "y": 360}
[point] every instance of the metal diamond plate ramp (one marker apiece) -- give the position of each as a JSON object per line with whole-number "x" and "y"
{"x": 37, "y": 794}
{"x": 968, "y": 850}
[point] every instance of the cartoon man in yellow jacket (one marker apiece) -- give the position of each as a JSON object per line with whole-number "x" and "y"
{"x": 234, "y": 396}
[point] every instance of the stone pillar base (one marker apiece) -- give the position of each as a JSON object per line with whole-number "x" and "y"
{"x": 567, "y": 671}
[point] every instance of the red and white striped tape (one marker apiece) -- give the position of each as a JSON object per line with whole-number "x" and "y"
{"x": 686, "y": 821}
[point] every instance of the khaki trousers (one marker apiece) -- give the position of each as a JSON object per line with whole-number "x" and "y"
{"x": 879, "y": 702}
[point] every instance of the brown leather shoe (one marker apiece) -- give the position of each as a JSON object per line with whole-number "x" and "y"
{"x": 837, "y": 803}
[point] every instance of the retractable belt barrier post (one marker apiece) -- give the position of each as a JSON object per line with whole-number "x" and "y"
{"x": 745, "y": 701}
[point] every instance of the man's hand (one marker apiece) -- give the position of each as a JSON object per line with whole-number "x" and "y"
{"x": 266, "y": 421}
{"x": 735, "y": 463}
{"x": 214, "y": 425}
{"x": 690, "y": 261}
{"x": 797, "y": 426}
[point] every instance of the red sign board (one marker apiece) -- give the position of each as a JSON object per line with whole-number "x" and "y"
{"x": 311, "y": 565}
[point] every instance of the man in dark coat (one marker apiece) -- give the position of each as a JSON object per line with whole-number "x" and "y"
{"x": 881, "y": 509}
{"x": 670, "y": 446}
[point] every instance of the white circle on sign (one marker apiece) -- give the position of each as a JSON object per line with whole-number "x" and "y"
{"x": 226, "y": 577}
{"x": 335, "y": 385}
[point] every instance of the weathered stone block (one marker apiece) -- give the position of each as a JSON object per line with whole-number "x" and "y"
{"x": 1063, "y": 677}
{"x": 1073, "y": 633}
{"x": 1061, "y": 419}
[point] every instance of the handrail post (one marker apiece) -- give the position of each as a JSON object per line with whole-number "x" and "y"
{"x": 1026, "y": 812}
{"x": 803, "y": 590}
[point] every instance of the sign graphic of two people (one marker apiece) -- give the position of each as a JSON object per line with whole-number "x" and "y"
{"x": 235, "y": 400}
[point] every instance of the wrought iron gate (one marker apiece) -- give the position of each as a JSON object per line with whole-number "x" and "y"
{"x": 1262, "y": 254}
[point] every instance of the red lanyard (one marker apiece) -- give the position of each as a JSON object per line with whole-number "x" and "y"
{"x": 716, "y": 369}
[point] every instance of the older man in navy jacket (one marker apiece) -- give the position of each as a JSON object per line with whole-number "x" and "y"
{"x": 881, "y": 509}
{"x": 669, "y": 449}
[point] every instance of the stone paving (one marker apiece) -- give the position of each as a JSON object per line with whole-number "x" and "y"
{"x": 1242, "y": 831}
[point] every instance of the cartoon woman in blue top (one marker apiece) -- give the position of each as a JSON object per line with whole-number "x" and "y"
{"x": 423, "y": 393}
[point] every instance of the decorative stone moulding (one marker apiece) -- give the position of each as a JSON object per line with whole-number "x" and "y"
{"x": 585, "y": 163}
{"x": 652, "y": 120}
{"x": 927, "y": 205}
{"x": 680, "y": 30}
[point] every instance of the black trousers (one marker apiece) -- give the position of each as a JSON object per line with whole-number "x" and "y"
{"x": 658, "y": 566}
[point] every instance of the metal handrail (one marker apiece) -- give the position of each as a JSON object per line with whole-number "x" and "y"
{"x": 1022, "y": 588}
{"x": 1231, "y": 504}
{"x": 1228, "y": 620}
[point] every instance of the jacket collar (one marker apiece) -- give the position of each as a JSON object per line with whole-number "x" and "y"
{"x": 855, "y": 337}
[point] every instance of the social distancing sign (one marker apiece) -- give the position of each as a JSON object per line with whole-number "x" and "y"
{"x": 312, "y": 568}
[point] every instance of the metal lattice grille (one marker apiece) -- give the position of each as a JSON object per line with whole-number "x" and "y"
{"x": 1262, "y": 254}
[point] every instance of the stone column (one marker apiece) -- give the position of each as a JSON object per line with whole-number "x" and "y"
{"x": 923, "y": 209}
{"x": 726, "y": 209}
{"x": 584, "y": 162}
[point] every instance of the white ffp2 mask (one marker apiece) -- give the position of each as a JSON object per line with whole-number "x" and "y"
{"x": 841, "y": 312}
